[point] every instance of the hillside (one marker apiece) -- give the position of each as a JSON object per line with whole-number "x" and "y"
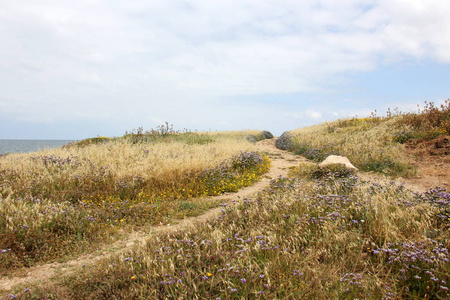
{"x": 414, "y": 147}
{"x": 297, "y": 232}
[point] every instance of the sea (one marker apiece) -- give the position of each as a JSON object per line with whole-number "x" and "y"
{"x": 15, "y": 146}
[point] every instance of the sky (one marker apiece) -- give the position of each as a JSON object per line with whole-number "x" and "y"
{"x": 86, "y": 68}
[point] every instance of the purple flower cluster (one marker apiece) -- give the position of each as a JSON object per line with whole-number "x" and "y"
{"x": 282, "y": 183}
{"x": 352, "y": 283}
{"x": 351, "y": 278}
{"x": 420, "y": 265}
{"x": 437, "y": 197}
{"x": 246, "y": 160}
{"x": 53, "y": 160}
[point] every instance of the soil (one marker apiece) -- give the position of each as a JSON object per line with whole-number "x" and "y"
{"x": 432, "y": 160}
{"x": 431, "y": 157}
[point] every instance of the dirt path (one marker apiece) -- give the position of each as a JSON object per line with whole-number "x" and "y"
{"x": 281, "y": 162}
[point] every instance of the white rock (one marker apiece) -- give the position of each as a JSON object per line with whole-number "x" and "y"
{"x": 336, "y": 159}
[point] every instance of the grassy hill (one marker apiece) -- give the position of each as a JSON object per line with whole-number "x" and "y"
{"x": 373, "y": 144}
{"x": 317, "y": 234}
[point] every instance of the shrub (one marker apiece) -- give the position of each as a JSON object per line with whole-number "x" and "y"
{"x": 402, "y": 136}
{"x": 285, "y": 141}
{"x": 89, "y": 141}
{"x": 429, "y": 123}
{"x": 333, "y": 171}
{"x": 304, "y": 170}
{"x": 263, "y": 135}
{"x": 251, "y": 139}
{"x": 267, "y": 134}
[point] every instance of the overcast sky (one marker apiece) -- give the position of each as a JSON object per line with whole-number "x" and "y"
{"x": 82, "y": 68}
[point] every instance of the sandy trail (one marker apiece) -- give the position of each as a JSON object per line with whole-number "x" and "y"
{"x": 281, "y": 161}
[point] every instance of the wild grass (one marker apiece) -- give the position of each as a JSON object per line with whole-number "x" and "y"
{"x": 334, "y": 237}
{"x": 368, "y": 143}
{"x": 81, "y": 194}
{"x": 371, "y": 144}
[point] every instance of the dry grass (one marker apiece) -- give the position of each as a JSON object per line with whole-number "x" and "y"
{"x": 333, "y": 238}
{"x": 81, "y": 194}
{"x": 375, "y": 143}
{"x": 323, "y": 234}
{"x": 368, "y": 143}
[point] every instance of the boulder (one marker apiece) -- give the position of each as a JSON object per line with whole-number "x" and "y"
{"x": 336, "y": 159}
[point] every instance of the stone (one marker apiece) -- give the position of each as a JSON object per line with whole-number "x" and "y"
{"x": 336, "y": 159}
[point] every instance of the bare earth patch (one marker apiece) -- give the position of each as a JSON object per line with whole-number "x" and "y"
{"x": 432, "y": 159}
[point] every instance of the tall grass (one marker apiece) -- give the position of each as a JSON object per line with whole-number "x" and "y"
{"x": 368, "y": 143}
{"x": 372, "y": 144}
{"x": 299, "y": 239}
{"x": 82, "y": 193}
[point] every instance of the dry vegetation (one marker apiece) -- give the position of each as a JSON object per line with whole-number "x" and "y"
{"x": 81, "y": 194}
{"x": 332, "y": 238}
{"x": 319, "y": 234}
{"x": 368, "y": 143}
{"x": 377, "y": 143}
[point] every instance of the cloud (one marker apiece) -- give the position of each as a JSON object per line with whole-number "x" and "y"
{"x": 309, "y": 114}
{"x": 131, "y": 59}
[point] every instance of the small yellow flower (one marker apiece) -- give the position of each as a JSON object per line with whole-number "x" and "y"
{"x": 133, "y": 277}
{"x": 209, "y": 274}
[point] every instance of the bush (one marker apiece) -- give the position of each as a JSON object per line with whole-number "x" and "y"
{"x": 90, "y": 141}
{"x": 285, "y": 141}
{"x": 403, "y": 136}
{"x": 333, "y": 171}
{"x": 267, "y": 135}
{"x": 251, "y": 139}
{"x": 430, "y": 123}
{"x": 303, "y": 170}
{"x": 263, "y": 135}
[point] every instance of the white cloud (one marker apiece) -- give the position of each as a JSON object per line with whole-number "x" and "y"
{"x": 313, "y": 114}
{"x": 124, "y": 58}
{"x": 308, "y": 114}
